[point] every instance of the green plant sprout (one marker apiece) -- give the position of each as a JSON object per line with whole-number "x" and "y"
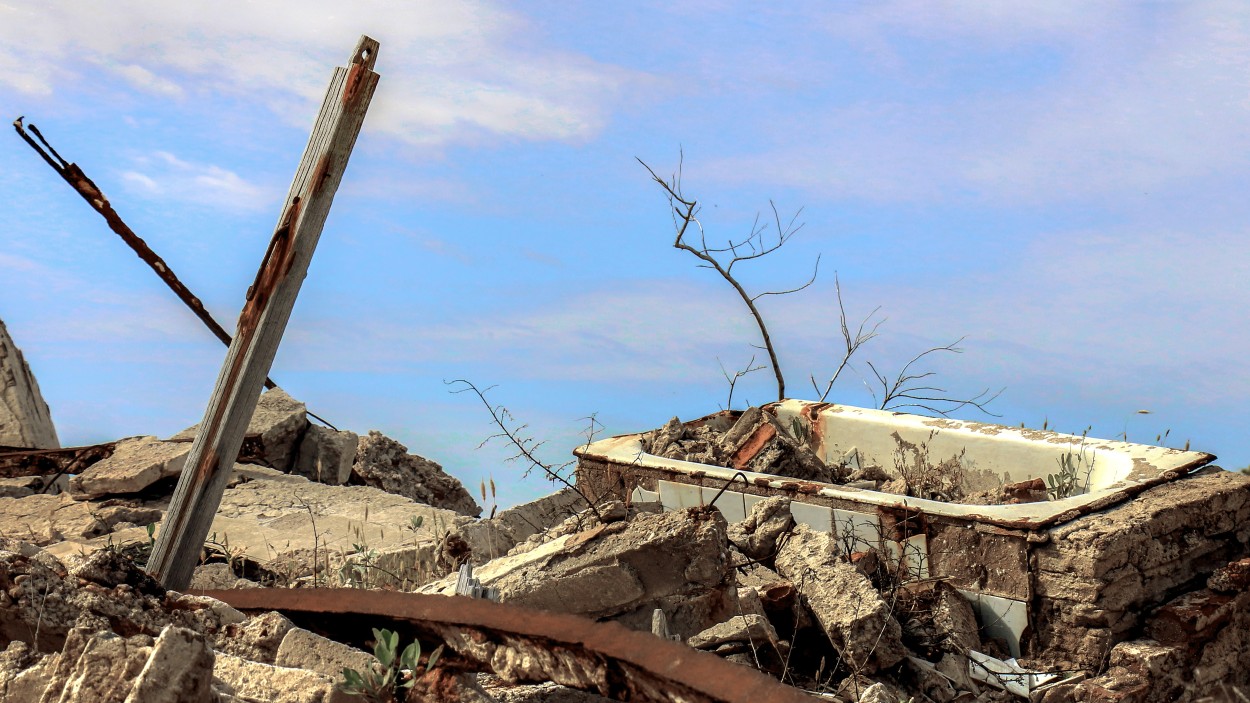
{"x": 1067, "y": 482}
{"x": 389, "y": 674}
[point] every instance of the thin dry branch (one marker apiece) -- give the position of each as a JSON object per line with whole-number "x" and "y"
{"x": 686, "y": 214}
{"x": 525, "y": 446}
{"x": 733, "y": 380}
{"x": 906, "y": 391}
{"x": 853, "y": 343}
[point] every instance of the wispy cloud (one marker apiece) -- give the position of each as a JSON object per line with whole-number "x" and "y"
{"x": 454, "y": 71}
{"x": 1097, "y": 101}
{"x": 162, "y": 175}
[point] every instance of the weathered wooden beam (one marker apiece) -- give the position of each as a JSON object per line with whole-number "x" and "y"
{"x": 263, "y": 320}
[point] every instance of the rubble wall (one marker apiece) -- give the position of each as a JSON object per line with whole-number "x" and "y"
{"x": 1098, "y": 577}
{"x": 1087, "y": 584}
{"x": 25, "y": 420}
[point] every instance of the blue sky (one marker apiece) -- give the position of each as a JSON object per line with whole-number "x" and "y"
{"x": 1064, "y": 184}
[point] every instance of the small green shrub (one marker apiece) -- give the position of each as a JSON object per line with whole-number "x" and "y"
{"x": 390, "y": 674}
{"x": 1067, "y": 482}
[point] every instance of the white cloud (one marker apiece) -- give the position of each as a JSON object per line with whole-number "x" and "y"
{"x": 1102, "y": 100}
{"x": 452, "y": 71}
{"x": 164, "y": 176}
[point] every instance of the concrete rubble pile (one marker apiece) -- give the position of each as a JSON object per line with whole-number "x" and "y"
{"x": 1140, "y": 602}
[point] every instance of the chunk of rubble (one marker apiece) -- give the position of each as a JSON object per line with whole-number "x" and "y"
{"x": 135, "y": 464}
{"x": 97, "y": 631}
{"x": 25, "y": 420}
{"x": 857, "y": 620}
{"x": 44, "y": 519}
{"x": 383, "y": 463}
{"x": 505, "y": 692}
{"x": 326, "y": 455}
{"x": 498, "y": 535}
{"x": 179, "y": 670}
{"x": 274, "y": 432}
{"x": 756, "y": 536}
{"x": 750, "y": 630}
{"x": 677, "y": 562}
{"x": 756, "y": 441}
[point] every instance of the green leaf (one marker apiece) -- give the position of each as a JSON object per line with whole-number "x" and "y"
{"x": 352, "y": 681}
{"x": 438, "y": 652}
{"x": 384, "y": 647}
{"x": 412, "y": 654}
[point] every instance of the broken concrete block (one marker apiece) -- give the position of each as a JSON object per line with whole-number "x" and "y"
{"x": 45, "y": 519}
{"x": 179, "y": 670}
{"x": 677, "y": 562}
{"x": 326, "y": 455}
{"x": 301, "y": 649}
{"x": 660, "y": 440}
{"x": 97, "y": 667}
{"x": 758, "y": 442}
{"x": 499, "y": 535}
{"x": 858, "y": 621}
{"x": 275, "y": 429}
{"x": 756, "y": 536}
{"x": 217, "y": 575}
{"x": 505, "y": 692}
{"x": 22, "y": 486}
{"x": 755, "y": 629}
{"x": 258, "y": 639}
{"x": 27, "y": 685}
{"x": 24, "y": 417}
{"x": 383, "y": 463}
{"x": 135, "y": 464}
{"x": 1191, "y": 618}
{"x": 923, "y": 678}
{"x": 249, "y": 680}
{"x": 1231, "y": 578}
{"x": 954, "y": 618}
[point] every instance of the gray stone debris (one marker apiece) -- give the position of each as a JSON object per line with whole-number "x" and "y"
{"x": 383, "y": 463}
{"x": 858, "y": 621}
{"x": 326, "y": 455}
{"x": 276, "y": 428}
{"x": 677, "y": 562}
{"x": 756, "y": 441}
{"x": 25, "y": 420}
{"x": 756, "y": 536}
{"x": 135, "y": 464}
{"x": 753, "y": 629}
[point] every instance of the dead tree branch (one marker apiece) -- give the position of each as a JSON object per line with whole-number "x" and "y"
{"x": 733, "y": 380}
{"x": 755, "y": 245}
{"x": 907, "y": 390}
{"x": 514, "y": 433}
{"x": 853, "y": 343}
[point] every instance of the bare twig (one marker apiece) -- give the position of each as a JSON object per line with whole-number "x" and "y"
{"x": 907, "y": 390}
{"x": 733, "y": 380}
{"x": 853, "y": 343}
{"x": 525, "y": 445}
{"x": 686, "y": 213}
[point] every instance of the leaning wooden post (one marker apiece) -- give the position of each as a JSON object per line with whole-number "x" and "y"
{"x": 263, "y": 320}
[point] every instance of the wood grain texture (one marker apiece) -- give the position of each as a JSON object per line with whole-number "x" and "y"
{"x": 263, "y": 320}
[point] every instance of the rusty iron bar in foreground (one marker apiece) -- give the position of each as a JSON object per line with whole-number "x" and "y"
{"x": 523, "y": 645}
{"x": 90, "y": 192}
{"x": 270, "y": 300}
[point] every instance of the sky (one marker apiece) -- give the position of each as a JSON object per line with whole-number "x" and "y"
{"x": 1061, "y": 185}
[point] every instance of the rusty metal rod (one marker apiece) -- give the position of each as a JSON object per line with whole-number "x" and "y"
{"x": 85, "y": 187}
{"x": 519, "y": 644}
